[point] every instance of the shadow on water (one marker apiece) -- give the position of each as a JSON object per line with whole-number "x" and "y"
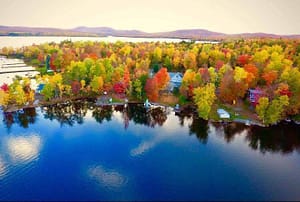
{"x": 21, "y": 117}
{"x": 68, "y": 113}
{"x": 199, "y": 127}
{"x": 282, "y": 138}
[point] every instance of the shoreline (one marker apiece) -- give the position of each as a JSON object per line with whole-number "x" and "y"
{"x": 180, "y": 112}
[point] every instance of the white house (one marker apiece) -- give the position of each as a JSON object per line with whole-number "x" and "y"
{"x": 223, "y": 114}
{"x": 175, "y": 80}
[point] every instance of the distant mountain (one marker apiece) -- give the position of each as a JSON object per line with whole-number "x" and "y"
{"x": 195, "y": 34}
{"x": 107, "y": 31}
{"x": 192, "y": 34}
{"x": 39, "y": 31}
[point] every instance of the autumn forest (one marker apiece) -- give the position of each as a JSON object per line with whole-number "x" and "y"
{"x": 214, "y": 74}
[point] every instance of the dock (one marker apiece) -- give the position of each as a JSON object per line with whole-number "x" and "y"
{"x": 10, "y": 68}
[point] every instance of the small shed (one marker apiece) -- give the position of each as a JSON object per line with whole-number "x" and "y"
{"x": 223, "y": 114}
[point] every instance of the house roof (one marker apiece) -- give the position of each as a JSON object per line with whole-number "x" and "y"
{"x": 255, "y": 91}
{"x": 223, "y": 112}
{"x": 172, "y": 74}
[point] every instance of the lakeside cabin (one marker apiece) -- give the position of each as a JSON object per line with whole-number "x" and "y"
{"x": 175, "y": 80}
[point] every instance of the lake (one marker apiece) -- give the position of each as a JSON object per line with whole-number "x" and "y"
{"x": 20, "y": 41}
{"x": 79, "y": 151}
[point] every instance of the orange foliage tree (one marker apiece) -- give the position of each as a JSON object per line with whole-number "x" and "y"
{"x": 162, "y": 78}
{"x": 151, "y": 89}
{"x": 270, "y": 76}
{"x": 252, "y": 76}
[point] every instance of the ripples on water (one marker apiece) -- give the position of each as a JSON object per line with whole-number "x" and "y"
{"x": 23, "y": 148}
{"x": 19, "y": 150}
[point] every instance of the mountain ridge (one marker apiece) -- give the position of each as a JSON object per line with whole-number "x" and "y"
{"x": 193, "y": 34}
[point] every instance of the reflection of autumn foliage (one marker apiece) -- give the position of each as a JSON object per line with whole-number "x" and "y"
{"x": 232, "y": 129}
{"x": 138, "y": 114}
{"x": 283, "y": 138}
{"x": 157, "y": 117}
{"x": 23, "y": 118}
{"x": 103, "y": 113}
{"x": 199, "y": 127}
{"x": 67, "y": 113}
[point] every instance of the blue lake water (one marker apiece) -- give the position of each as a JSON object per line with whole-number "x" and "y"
{"x": 83, "y": 152}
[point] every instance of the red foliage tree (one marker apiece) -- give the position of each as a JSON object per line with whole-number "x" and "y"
{"x": 76, "y": 86}
{"x": 119, "y": 88}
{"x": 243, "y": 59}
{"x": 283, "y": 89}
{"x": 4, "y": 87}
{"x": 219, "y": 64}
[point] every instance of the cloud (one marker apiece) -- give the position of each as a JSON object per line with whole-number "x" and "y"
{"x": 107, "y": 178}
{"x": 143, "y": 147}
{"x": 23, "y": 149}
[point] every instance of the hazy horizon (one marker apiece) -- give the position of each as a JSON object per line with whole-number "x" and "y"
{"x": 230, "y": 17}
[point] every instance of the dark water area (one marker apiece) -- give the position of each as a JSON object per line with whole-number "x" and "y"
{"x": 79, "y": 151}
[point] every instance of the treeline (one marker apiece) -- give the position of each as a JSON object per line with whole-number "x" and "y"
{"x": 223, "y": 72}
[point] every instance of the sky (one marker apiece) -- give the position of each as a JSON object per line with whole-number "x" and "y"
{"x": 227, "y": 16}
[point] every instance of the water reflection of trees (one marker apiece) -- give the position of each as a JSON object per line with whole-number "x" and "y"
{"x": 103, "y": 113}
{"x": 139, "y": 115}
{"x": 67, "y": 113}
{"x": 21, "y": 117}
{"x": 229, "y": 130}
{"x": 283, "y": 138}
{"x": 74, "y": 112}
{"x": 199, "y": 127}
